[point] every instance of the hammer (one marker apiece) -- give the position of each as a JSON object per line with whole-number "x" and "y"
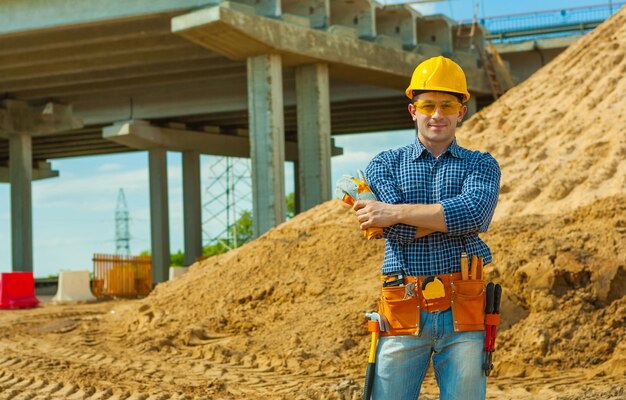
{"x": 376, "y": 324}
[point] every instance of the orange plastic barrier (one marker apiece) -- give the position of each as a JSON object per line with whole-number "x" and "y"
{"x": 17, "y": 290}
{"x": 121, "y": 276}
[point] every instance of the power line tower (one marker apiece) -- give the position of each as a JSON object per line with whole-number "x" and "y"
{"x": 229, "y": 192}
{"x": 122, "y": 231}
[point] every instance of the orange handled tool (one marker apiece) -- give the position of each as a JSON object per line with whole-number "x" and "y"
{"x": 350, "y": 190}
{"x": 474, "y": 267}
{"x": 377, "y": 323}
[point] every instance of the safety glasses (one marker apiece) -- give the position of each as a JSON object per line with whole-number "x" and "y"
{"x": 429, "y": 107}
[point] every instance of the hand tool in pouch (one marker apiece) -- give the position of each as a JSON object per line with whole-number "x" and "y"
{"x": 492, "y": 318}
{"x": 480, "y": 270}
{"x": 474, "y": 267}
{"x": 350, "y": 189}
{"x": 376, "y": 324}
{"x": 464, "y": 267}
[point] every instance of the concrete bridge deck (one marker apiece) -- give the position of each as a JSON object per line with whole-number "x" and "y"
{"x": 269, "y": 79}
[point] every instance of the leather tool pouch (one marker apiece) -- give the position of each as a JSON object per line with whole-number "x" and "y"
{"x": 401, "y": 311}
{"x": 468, "y": 305}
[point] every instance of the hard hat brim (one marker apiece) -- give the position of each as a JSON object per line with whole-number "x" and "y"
{"x": 466, "y": 95}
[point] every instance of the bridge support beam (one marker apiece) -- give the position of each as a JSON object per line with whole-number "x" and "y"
{"x": 314, "y": 144}
{"x": 20, "y": 122}
{"x": 267, "y": 141}
{"x": 159, "y": 215}
{"x": 21, "y": 176}
{"x": 192, "y": 209}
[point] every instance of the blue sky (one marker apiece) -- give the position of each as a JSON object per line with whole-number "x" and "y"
{"x": 74, "y": 214}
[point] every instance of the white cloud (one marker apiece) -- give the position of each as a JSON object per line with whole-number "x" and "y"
{"x": 109, "y": 167}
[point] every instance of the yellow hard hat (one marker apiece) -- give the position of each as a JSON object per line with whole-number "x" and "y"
{"x": 439, "y": 74}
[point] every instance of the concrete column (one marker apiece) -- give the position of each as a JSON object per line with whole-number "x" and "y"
{"x": 159, "y": 215}
{"x": 21, "y": 176}
{"x": 267, "y": 141}
{"x": 313, "y": 108}
{"x": 192, "y": 209}
{"x": 296, "y": 187}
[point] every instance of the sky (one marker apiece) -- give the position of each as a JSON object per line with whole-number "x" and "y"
{"x": 74, "y": 214}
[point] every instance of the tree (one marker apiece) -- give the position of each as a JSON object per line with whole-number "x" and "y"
{"x": 291, "y": 205}
{"x": 177, "y": 259}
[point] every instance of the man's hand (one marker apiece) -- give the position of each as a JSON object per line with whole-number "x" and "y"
{"x": 428, "y": 218}
{"x": 375, "y": 214}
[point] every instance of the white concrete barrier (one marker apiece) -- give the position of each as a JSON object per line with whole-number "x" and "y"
{"x": 177, "y": 271}
{"x": 73, "y": 288}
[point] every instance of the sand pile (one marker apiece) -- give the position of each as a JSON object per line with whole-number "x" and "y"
{"x": 293, "y": 300}
{"x": 565, "y": 281}
{"x": 560, "y": 136}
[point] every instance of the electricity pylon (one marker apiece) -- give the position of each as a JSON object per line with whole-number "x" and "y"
{"x": 122, "y": 232}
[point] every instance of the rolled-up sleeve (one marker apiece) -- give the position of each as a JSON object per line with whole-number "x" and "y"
{"x": 472, "y": 210}
{"x": 381, "y": 181}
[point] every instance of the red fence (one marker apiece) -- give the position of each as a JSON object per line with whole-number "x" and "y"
{"x": 121, "y": 276}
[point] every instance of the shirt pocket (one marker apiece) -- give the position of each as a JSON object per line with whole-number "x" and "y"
{"x": 452, "y": 183}
{"x": 410, "y": 190}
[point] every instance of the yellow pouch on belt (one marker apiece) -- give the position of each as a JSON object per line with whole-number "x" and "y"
{"x": 399, "y": 305}
{"x": 468, "y": 305}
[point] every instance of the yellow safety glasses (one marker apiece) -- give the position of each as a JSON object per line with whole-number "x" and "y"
{"x": 429, "y": 107}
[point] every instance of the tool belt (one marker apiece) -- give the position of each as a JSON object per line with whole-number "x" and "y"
{"x": 402, "y": 303}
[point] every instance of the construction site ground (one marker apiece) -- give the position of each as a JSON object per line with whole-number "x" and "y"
{"x": 282, "y": 316}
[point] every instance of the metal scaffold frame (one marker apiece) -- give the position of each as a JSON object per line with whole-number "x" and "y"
{"x": 228, "y": 193}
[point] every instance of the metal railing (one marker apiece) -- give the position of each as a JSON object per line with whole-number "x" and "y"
{"x": 542, "y": 24}
{"x": 121, "y": 276}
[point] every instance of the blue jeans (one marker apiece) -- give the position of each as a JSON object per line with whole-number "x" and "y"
{"x": 402, "y": 361}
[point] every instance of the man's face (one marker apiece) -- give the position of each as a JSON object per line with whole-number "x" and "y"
{"x": 438, "y": 128}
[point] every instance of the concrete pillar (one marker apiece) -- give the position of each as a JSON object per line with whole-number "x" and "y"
{"x": 267, "y": 141}
{"x": 296, "y": 187}
{"x": 21, "y": 175}
{"x": 313, "y": 108}
{"x": 192, "y": 209}
{"x": 159, "y": 215}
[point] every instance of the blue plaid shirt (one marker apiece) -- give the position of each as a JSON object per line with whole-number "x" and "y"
{"x": 466, "y": 183}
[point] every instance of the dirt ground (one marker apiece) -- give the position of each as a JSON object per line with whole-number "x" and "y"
{"x": 253, "y": 325}
{"x": 282, "y": 317}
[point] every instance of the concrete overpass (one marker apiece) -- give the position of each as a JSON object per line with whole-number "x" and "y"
{"x": 267, "y": 79}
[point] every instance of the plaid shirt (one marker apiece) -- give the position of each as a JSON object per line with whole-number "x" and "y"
{"x": 466, "y": 183}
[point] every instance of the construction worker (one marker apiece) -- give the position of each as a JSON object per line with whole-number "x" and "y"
{"x": 434, "y": 198}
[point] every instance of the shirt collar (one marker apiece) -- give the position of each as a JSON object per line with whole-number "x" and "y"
{"x": 454, "y": 149}
{"x": 419, "y": 149}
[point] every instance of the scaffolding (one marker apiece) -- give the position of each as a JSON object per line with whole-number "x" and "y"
{"x": 228, "y": 193}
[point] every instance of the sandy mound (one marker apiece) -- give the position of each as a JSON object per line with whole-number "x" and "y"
{"x": 293, "y": 300}
{"x": 282, "y": 317}
{"x": 560, "y": 136}
{"x": 565, "y": 281}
